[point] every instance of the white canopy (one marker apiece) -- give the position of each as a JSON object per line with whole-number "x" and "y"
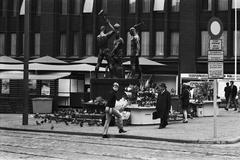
{"x": 145, "y": 62}
{"x": 89, "y": 60}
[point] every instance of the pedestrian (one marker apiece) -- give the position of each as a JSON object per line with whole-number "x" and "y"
{"x": 238, "y": 99}
{"x": 232, "y": 96}
{"x": 111, "y": 110}
{"x": 185, "y": 102}
{"x": 135, "y": 53}
{"x": 227, "y": 91}
{"x": 163, "y": 105}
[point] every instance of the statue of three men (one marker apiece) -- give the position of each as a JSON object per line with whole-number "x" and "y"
{"x": 115, "y": 56}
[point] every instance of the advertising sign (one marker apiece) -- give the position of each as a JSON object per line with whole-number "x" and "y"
{"x": 215, "y": 44}
{"x": 215, "y": 70}
{"x": 215, "y": 56}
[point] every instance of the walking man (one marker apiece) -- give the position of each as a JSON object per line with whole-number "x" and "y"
{"x": 227, "y": 91}
{"x": 110, "y": 109}
{"x": 232, "y": 96}
{"x": 163, "y": 105}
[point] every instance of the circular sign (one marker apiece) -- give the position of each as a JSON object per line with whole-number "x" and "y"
{"x": 215, "y": 28}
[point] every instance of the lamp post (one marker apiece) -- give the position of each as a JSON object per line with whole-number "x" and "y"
{"x": 26, "y": 58}
{"x": 235, "y": 41}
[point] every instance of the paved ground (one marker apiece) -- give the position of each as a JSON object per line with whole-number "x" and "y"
{"x": 197, "y": 130}
{"x": 18, "y": 145}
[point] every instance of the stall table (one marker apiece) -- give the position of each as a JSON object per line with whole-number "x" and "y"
{"x": 142, "y": 115}
{"x": 205, "y": 108}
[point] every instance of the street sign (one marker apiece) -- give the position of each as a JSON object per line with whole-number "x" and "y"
{"x": 215, "y": 28}
{"x": 215, "y": 44}
{"x": 215, "y": 56}
{"x": 215, "y": 70}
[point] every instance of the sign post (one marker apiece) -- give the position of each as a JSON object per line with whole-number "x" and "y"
{"x": 215, "y": 61}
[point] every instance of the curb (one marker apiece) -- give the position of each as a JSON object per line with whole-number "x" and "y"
{"x": 231, "y": 141}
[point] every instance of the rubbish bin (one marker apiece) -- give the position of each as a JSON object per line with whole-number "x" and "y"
{"x": 42, "y": 105}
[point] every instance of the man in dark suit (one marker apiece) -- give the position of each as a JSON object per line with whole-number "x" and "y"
{"x": 232, "y": 96}
{"x": 163, "y": 105}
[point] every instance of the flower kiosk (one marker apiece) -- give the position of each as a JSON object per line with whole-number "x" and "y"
{"x": 143, "y": 104}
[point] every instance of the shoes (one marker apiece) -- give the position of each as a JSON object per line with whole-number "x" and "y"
{"x": 235, "y": 109}
{"x": 185, "y": 121}
{"x": 161, "y": 127}
{"x": 105, "y": 136}
{"x": 122, "y": 131}
{"x": 226, "y": 108}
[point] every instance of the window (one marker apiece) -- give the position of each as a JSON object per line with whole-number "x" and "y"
{"x": 37, "y": 44}
{"x": 14, "y": 10}
{"x": 237, "y": 5}
{"x": 63, "y": 87}
{"x": 159, "y": 5}
{"x": 76, "y": 43}
{"x": 128, "y": 44}
{"x": 2, "y": 44}
{"x": 77, "y": 7}
{"x": 23, "y": 43}
{"x": 146, "y": 6}
{"x": 204, "y": 43}
{"x": 145, "y": 44}
{"x": 38, "y": 7}
{"x": 13, "y": 44}
{"x": 105, "y": 6}
{"x": 5, "y": 86}
{"x": 88, "y": 6}
{"x": 175, "y": 5}
{"x": 132, "y": 6}
{"x": 63, "y": 48}
{"x": 89, "y": 44}
{"x": 224, "y": 42}
{"x": 64, "y": 7}
{"x": 238, "y": 41}
{"x": 1, "y": 7}
{"x": 207, "y": 5}
{"x": 223, "y": 5}
{"x": 159, "y": 43}
{"x": 174, "y": 44}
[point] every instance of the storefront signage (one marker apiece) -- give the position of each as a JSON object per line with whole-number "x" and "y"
{"x": 215, "y": 70}
{"x": 215, "y": 56}
{"x": 215, "y": 44}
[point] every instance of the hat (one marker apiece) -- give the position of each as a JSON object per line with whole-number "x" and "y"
{"x": 115, "y": 84}
{"x": 116, "y": 25}
{"x": 132, "y": 29}
{"x": 163, "y": 85}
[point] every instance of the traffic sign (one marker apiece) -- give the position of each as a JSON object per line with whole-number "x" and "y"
{"x": 215, "y": 28}
{"x": 215, "y": 70}
{"x": 215, "y": 56}
{"x": 215, "y": 44}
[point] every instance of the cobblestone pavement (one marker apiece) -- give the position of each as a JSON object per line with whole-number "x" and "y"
{"x": 17, "y": 145}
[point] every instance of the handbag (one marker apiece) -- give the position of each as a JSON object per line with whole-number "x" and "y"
{"x": 155, "y": 115}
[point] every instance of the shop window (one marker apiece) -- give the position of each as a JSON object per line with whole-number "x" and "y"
{"x": 159, "y": 5}
{"x": 2, "y": 44}
{"x": 175, "y": 5}
{"x": 32, "y": 85}
{"x": 238, "y": 41}
{"x": 76, "y": 85}
{"x": 38, "y": 7}
{"x": 88, "y": 6}
{"x": 207, "y": 5}
{"x": 223, "y": 5}
{"x": 159, "y": 43}
{"x": 105, "y": 5}
{"x": 235, "y": 4}
{"x": 204, "y": 43}
{"x": 174, "y": 44}
{"x": 64, "y": 87}
{"x": 63, "y": 48}
{"x": 128, "y": 44}
{"x": 132, "y": 6}
{"x": 76, "y": 7}
{"x": 145, "y": 44}
{"x": 146, "y": 6}
{"x": 76, "y": 43}
{"x": 89, "y": 44}
{"x": 13, "y": 44}
{"x": 45, "y": 87}
{"x": 5, "y": 86}
{"x": 37, "y": 44}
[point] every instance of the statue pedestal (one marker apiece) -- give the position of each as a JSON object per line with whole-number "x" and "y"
{"x": 102, "y": 87}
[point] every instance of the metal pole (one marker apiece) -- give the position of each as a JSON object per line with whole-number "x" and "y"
{"x": 215, "y": 109}
{"x": 235, "y": 40}
{"x": 26, "y": 57}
